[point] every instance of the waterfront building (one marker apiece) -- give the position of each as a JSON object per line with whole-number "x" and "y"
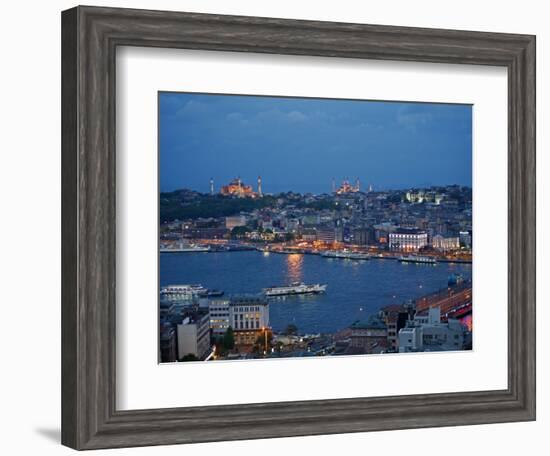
{"x": 445, "y": 243}
{"x": 465, "y": 238}
{"x": 327, "y": 234}
{"x": 193, "y": 334}
{"x": 308, "y": 234}
{"x": 249, "y": 317}
{"x": 362, "y": 236}
{"x": 234, "y": 221}
{"x": 193, "y": 232}
{"x": 408, "y": 239}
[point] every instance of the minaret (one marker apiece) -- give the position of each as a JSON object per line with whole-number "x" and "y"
{"x": 333, "y": 185}
{"x": 260, "y": 186}
{"x": 211, "y": 186}
{"x": 357, "y": 188}
{"x": 370, "y": 188}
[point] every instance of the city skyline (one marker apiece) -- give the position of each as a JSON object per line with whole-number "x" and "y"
{"x": 365, "y": 187}
{"x": 301, "y": 145}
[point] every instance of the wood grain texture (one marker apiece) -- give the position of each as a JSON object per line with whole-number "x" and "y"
{"x": 89, "y": 39}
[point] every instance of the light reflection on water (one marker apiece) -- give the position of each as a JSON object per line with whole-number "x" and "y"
{"x": 294, "y": 264}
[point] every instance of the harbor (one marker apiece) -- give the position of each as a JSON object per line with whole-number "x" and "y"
{"x": 355, "y": 289}
{"x": 356, "y": 254}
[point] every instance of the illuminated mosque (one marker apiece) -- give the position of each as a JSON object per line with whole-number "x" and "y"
{"x": 346, "y": 187}
{"x": 239, "y": 189}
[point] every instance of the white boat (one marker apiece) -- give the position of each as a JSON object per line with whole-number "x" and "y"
{"x": 183, "y": 247}
{"x": 183, "y": 291}
{"x": 345, "y": 254}
{"x": 296, "y": 288}
{"x": 417, "y": 259}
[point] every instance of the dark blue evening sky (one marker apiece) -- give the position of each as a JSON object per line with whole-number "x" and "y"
{"x": 301, "y": 144}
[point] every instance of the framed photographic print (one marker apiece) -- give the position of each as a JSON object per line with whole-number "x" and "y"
{"x": 280, "y": 228}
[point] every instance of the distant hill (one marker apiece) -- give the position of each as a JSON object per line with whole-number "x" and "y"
{"x": 188, "y": 204}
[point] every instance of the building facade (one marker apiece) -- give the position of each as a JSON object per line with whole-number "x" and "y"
{"x": 249, "y": 318}
{"x": 369, "y": 336}
{"x": 408, "y": 240}
{"x": 194, "y": 335}
{"x": 239, "y": 189}
{"x": 219, "y": 316}
{"x": 327, "y": 234}
{"x": 445, "y": 243}
{"x": 428, "y": 333}
{"x": 362, "y": 236}
{"x": 396, "y": 317}
{"x": 235, "y": 221}
{"x": 168, "y": 344}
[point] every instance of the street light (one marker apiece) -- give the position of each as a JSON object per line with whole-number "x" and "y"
{"x": 264, "y": 329}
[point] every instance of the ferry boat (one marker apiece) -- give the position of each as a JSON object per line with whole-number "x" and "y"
{"x": 183, "y": 247}
{"x": 183, "y": 291}
{"x": 417, "y": 259}
{"x": 345, "y": 254}
{"x": 296, "y": 288}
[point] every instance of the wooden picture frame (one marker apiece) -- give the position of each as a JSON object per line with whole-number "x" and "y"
{"x": 90, "y": 36}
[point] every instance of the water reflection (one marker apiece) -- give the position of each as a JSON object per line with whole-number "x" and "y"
{"x": 294, "y": 267}
{"x": 353, "y": 292}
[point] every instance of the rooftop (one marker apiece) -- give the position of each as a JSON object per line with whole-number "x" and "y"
{"x": 409, "y": 231}
{"x": 372, "y": 322}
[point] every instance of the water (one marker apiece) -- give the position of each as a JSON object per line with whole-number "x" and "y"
{"x": 355, "y": 289}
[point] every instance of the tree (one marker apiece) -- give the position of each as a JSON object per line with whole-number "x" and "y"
{"x": 240, "y": 231}
{"x": 229, "y": 339}
{"x": 219, "y": 344}
{"x": 291, "y": 330}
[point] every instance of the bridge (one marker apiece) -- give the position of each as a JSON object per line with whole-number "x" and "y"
{"x": 454, "y": 301}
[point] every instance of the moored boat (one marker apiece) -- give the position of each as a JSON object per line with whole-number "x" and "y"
{"x": 183, "y": 291}
{"x": 345, "y": 254}
{"x": 183, "y": 247}
{"x": 417, "y": 259}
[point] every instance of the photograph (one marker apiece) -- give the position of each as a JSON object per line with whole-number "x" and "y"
{"x": 309, "y": 227}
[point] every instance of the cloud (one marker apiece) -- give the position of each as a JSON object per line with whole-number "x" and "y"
{"x": 277, "y": 115}
{"x": 411, "y": 119}
{"x": 193, "y": 108}
{"x": 296, "y": 116}
{"x": 237, "y": 117}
